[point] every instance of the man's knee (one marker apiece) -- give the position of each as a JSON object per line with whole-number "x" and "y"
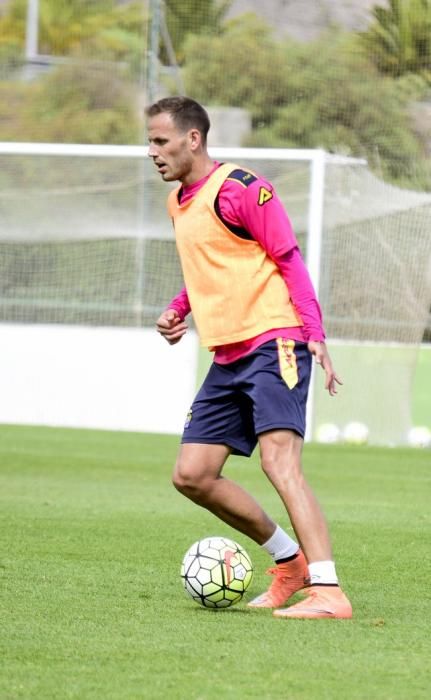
{"x": 270, "y": 463}
{"x": 197, "y": 469}
{"x": 190, "y": 482}
{"x": 281, "y": 457}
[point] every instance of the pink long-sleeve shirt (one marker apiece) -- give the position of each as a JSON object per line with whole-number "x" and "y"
{"x": 269, "y": 224}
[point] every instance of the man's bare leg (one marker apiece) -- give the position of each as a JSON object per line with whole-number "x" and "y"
{"x": 281, "y": 461}
{"x": 197, "y": 475}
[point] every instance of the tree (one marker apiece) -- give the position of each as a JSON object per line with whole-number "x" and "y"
{"x": 241, "y": 67}
{"x": 97, "y": 29}
{"x": 193, "y": 17}
{"x": 338, "y": 101}
{"x": 321, "y": 94}
{"x": 92, "y": 98}
{"x": 70, "y": 104}
{"x": 399, "y": 39}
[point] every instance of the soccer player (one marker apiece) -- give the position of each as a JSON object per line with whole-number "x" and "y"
{"x": 254, "y": 306}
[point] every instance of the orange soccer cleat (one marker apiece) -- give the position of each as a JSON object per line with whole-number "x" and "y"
{"x": 321, "y": 601}
{"x": 289, "y": 577}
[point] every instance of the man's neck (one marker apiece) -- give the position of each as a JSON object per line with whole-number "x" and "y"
{"x": 200, "y": 170}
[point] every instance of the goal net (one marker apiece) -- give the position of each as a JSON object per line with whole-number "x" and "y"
{"x": 85, "y": 239}
{"x": 375, "y": 290}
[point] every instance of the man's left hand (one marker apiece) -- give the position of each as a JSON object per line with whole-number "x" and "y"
{"x": 321, "y": 354}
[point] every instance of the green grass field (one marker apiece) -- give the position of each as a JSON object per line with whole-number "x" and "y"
{"x": 92, "y": 537}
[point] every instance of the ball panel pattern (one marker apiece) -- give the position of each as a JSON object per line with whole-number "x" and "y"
{"x": 216, "y": 572}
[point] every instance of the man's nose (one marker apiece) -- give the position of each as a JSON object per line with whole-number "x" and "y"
{"x": 152, "y": 151}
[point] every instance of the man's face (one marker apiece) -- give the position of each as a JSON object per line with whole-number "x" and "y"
{"x": 169, "y": 148}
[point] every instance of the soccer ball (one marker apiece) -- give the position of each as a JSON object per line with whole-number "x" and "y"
{"x": 356, "y": 433}
{"x": 419, "y": 436}
{"x": 216, "y": 572}
{"x": 328, "y": 433}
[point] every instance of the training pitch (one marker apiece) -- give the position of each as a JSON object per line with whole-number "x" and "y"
{"x": 91, "y": 601}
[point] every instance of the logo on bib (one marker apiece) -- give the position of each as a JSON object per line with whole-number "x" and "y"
{"x": 264, "y": 196}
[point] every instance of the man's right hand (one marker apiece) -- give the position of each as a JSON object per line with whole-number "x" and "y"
{"x": 170, "y": 326}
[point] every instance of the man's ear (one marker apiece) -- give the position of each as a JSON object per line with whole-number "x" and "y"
{"x": 195, "y": 139}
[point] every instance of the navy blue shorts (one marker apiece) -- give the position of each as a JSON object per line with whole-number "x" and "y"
{"x": 265, "y": 390}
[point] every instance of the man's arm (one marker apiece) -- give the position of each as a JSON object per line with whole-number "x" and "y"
{"x": 181, "y": 304}
{"x": 301, "y": 291}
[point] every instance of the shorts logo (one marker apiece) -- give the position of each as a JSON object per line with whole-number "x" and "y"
{"x": 264, "y": 196}
{"x": 188, "y": 419}
{"x": 287, "y": 361}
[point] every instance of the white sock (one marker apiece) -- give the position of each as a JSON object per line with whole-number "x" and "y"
{"x": 322, "y": 572}
{"x": 280, "y": 545}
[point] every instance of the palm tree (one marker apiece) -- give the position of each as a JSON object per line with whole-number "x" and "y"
{"x": 99, "y": 29}
{"x": 399, "y": 38}
{"x": 92, "y": 51}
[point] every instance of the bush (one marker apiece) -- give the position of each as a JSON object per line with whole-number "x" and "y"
{"x": 321, "y": 94}
{"x": 72, "y": 104}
